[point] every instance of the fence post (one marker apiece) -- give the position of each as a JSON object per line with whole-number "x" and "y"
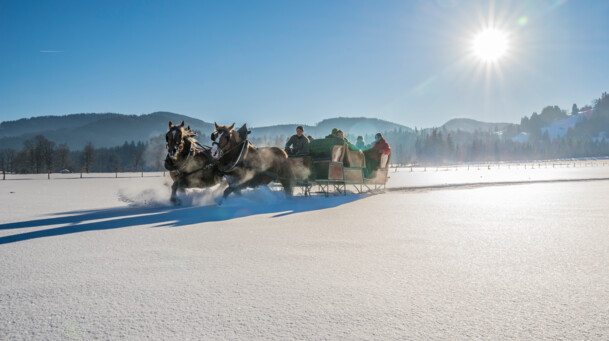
{"x": 116, "y": 174}
{"x": 142, "y": 174}
{"x": 3, "y": 175}
{"x": 81, "y": 173}
{"x": 49, "y": 175}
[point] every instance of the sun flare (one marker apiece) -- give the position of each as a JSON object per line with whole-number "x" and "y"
{"x": 490, "y": 45}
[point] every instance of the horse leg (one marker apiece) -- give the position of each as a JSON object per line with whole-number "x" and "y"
{"x": 174, "y": 188}
{"x": 227, "y": 192}
{"x": 287, "y": 178}
{"x": 287, "y": 186}
{"x": 230, "y": 190}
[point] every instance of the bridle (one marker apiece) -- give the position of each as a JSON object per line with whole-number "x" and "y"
{"x": 179, "y": 147}
{"x": 194, "y": 147}
{"x": 223, "y": 151}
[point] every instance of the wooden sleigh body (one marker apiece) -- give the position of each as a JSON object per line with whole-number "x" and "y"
{"x": 333, "y": 167}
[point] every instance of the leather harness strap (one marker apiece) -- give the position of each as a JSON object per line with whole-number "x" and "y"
{"x": 244, "y": 149}
{"x": 191, "y": 153}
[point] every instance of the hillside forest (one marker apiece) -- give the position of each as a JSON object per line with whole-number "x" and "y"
{"x": 553, "y": 133}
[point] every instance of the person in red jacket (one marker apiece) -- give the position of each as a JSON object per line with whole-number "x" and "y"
{"x": 373, "y": 155}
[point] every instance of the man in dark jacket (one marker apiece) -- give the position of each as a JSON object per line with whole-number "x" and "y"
{"x": 297, "y": 144}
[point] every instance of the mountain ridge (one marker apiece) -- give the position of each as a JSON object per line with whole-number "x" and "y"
{"x": 112, "y": 129}
{"x": 470, "y": 125}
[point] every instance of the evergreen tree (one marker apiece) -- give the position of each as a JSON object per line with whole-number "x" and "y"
{"x": 574, "y": 109}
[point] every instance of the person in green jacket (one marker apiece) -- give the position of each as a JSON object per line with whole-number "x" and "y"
{"x": 298, "y": 144}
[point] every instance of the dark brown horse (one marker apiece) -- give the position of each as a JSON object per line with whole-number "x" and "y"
{"x": 189, "y": 163}
{"x": 244, "y": 165}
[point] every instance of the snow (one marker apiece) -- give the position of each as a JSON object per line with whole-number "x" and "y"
{"x": 444, "y": 253}
{"x": 561, "y": 127}
{"x": 522, "y": 137}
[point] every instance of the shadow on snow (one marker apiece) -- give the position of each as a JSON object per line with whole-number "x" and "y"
{"x": 113, "y": 218}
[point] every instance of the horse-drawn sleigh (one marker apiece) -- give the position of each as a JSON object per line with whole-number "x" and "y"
{"x": 331, "y": 165}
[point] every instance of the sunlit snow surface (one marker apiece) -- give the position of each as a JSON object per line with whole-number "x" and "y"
{"x": 444, "y": 253}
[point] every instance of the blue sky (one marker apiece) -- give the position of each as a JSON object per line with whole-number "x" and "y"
{"x": 269, "y": 62}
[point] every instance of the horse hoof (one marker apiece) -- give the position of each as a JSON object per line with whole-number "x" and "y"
{"x": 176, "y": 201}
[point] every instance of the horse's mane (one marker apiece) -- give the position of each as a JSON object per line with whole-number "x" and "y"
{"x": 190, "y": 137}
{"x": 188, "y": 132}
{"x": 242, "y": 132}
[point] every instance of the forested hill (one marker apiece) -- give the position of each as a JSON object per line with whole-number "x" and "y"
{"x": 109, "y": 130}
{"x": 103, "y": 130}
{"x": 46, "y": 123}
{"x": 352, "y": 126}
{"x": 471, "y": 126}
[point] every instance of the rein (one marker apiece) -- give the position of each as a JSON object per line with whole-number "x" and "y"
{"x": 191, "y": 154}
{"x": 245, "y": 143}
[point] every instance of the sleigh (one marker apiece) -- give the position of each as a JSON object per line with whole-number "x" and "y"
{"x": 334, "y": 167}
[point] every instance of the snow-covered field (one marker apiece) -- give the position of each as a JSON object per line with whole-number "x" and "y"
{"x": 444, "y": 253}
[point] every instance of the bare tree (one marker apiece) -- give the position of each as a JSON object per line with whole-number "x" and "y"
{"x": 88, "y": 156}
{"x": 43, "y": 151}
{"x": 63, "y": 160}
{"x": 7, "y": 157}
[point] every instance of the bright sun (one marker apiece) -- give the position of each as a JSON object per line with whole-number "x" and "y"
{"x": 490, "y": 45}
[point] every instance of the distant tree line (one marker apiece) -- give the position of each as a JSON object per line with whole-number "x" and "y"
{"x": 429, "y": 146}
{"x": 40, "y": 155}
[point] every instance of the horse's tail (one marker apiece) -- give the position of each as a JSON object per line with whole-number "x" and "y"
{"x": 284, "y": 171}
{"x": 287, "y": 175}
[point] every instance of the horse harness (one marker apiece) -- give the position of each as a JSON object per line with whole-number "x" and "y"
{"x": 239, "y": 161}
{"x": 204, "y": 150}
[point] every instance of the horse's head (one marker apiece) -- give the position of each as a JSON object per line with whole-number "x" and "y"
{"x": 176, "y": 139}
{"x": 224, "y": 138}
